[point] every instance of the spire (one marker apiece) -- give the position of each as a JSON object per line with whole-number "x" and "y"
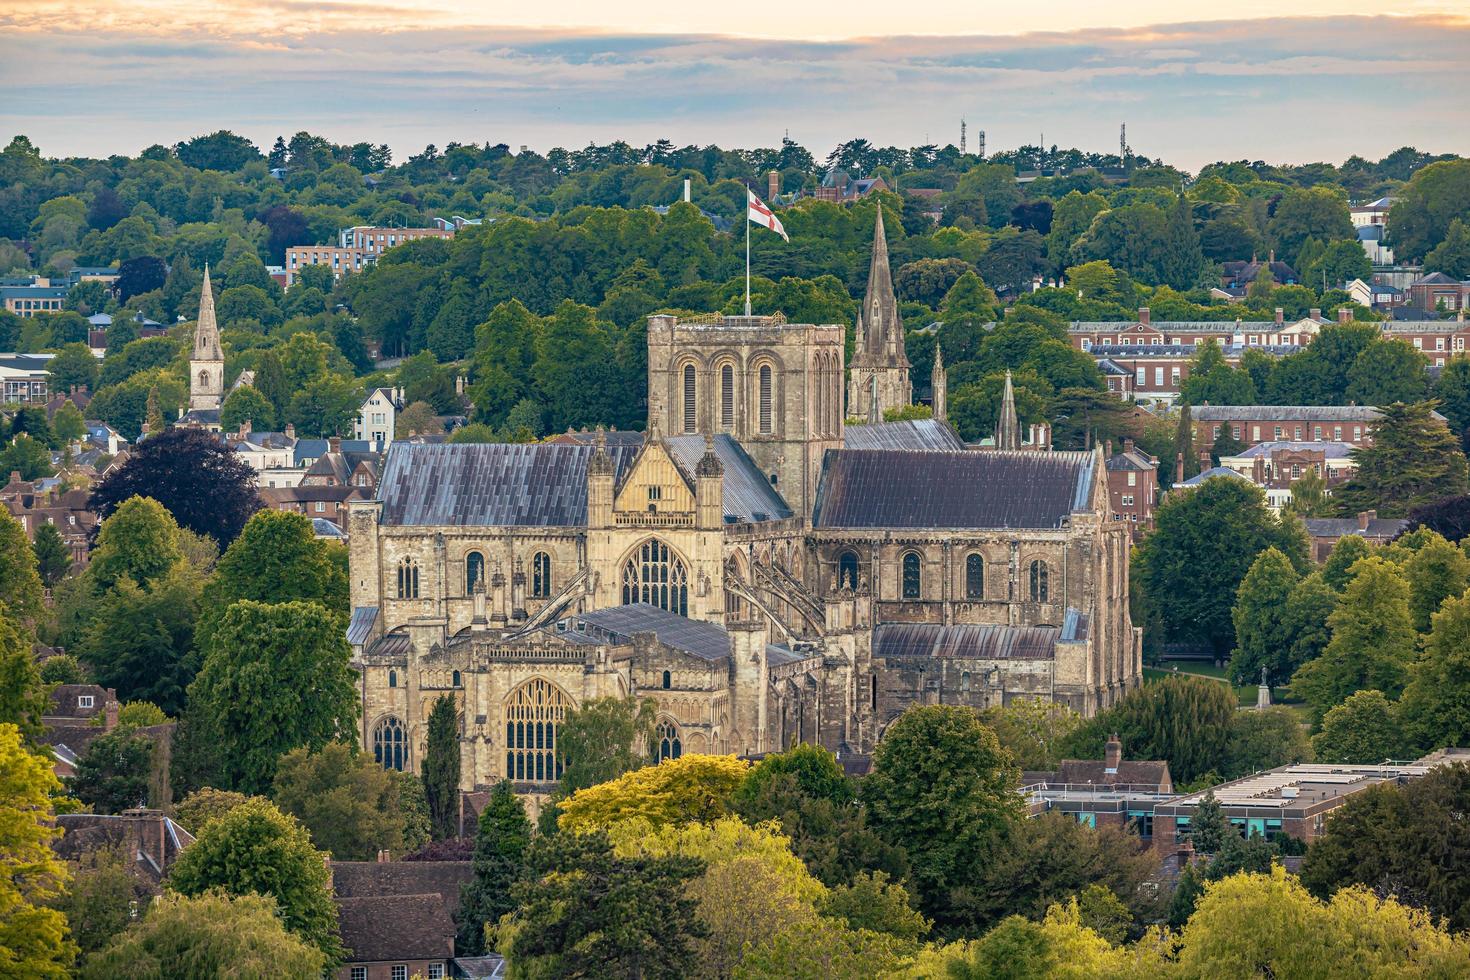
{"x": 1008, "y": 428}
{"x": 939, "y": 381}
{"x": 709, "y": 464}
{"x": 601, "y": 463}
{"x": 206, "y": 332}
{"x": 885, "y": 329}
{"x": 859, "y": 338}
{"x": 875, "y": 414}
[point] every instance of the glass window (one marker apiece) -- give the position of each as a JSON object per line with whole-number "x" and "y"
{"x": 85, "y": 700}
{"x": 541, "y": 575}
{"x": 847, "y": 570}
{"x": 390, "y": 744}
{"x": 974, "y": 577}
{"x": 436, "y": 971}
{"x": 670, "y": 746}
{"x": 912, "y": 579}
{"x": 392, "y": 678}
{"x": 1040, "y": 584}
{"x": 399, "y": 972}
{"x": 655, "y": 575}
{"x": 533, "y": 719}
{"x": 408, "y": 579}
{"x": 359, "y": 973}
{"x": 668, "y": 680}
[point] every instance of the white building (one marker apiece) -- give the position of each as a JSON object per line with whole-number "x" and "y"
{"x": 377, "y": 417}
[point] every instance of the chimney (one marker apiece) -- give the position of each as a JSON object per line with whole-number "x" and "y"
{"x": 1205, "y": 462}
{"x": 334, "y": 444}
{"x": 1143, "y": 315}
{"x": 1280, "y": 316}
{"x": 1344, "y": 314}
{"x": 291, "y": 431}
{"x": 1315, "y": 313}
{"x": 459, "y": 384}
{"x": 1365, "y": 518}
{"x": 245, "y": 429}
{"x": 384, "y": 856}
{"x": 109, "y": 721}
{"x": 1258, "y": 472}
{"x": 1178, "y": 467}
{"x": 1127, "y": 445}
{"x": 686, "y": 190}
{"x": 1271, "y": 257}
{"x": 773, "y": 185}
{"x": 1112, "y": 753}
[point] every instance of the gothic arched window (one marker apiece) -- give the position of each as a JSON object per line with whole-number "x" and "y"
{"x": 668, "y": 680}
{"x": 847, "y": 570}
{"x": 390, "y": 744}
{"x": 727, "y": 397}
{"x": 974, "y": 577}
{"x": 1040, "y": 586}
{"x": 408, "y": 579}
{"x": 670, "y": 745}
{"x": 655, "y": 575}
{"x": 533, "y": 717}
{"x": 913, "y": 580}
{"x": 392, "y": 678}
{"x": 204, "y": 379}
{"x": 455, "y": 679}
{"x": 766, "y": 398}
{"x": 540, "y": 575}
{"x": 474, "y": 571}
{"x": 691, "y": 391}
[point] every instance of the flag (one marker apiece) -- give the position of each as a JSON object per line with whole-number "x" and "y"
{"x": 756, "y": 210}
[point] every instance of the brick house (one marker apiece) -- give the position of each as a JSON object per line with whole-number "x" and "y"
{"x": 1438, "y": 291}
{"x": 1325, "y": 532}
{"x": 1252, "y": 424}
{"x": 1133, "y": 485}
{"x": 397, "y": 917}
{"x": 38, "y": 502}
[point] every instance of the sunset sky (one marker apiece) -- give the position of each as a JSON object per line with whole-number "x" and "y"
{"x": 93, "y": 78}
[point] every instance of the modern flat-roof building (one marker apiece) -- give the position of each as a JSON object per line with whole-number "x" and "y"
{"x": 356, "y": 248}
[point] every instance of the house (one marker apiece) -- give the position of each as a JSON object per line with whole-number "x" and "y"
{"x": 377, "y": 417}
{"x": 1437, "y": 292}
{"x": 840, "y": 188}
{"x": 1101, "y": 793}
{"x": 262, "y": 450}
{"x": 397, "y": 917}
{"x": 1240, "y": 275}
{"x": 78, "y": 715}
{"x": 356, "y": 248}
{"x": 338, "y": 467}
{"x": 1325, "y": 532}
{"x": 328, "y": 502}
{"x": 1252, "y": 424}
{"x": 38, "y": 502}
{"x": 1276, "y": 466}
{"x": 1133, "y": 485}
{"x": 1375, "y": 296}
{"x": 27, "y": 301}
{"x": 24, "y": 378}
{"x": 150, "y": 838}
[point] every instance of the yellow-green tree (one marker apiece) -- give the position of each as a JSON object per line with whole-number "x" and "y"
{"x": 34, "y": 941}
{"x": 693, "y": 788}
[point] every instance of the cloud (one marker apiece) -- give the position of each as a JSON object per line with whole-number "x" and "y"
{"x": 1286, "y": 89}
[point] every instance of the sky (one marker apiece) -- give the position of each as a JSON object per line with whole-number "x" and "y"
{"x": 95, "y": 77}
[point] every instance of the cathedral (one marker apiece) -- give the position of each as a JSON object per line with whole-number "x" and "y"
{"x": 763, "y": 571}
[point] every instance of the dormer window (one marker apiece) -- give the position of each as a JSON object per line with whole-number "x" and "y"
{"x": 84, "y": 700}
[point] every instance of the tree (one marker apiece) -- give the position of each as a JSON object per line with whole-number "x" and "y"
{"x": 1337, "y": 570}
{"x": 74, "y": 366}
{"x": 100, "y": 902}
{"x": 33, "y": 937}
{"x": 218, "y": 151}
{"x": 113, "y": 774}
{"x": 63, "y": 668}
{"x": 824, "y": 947}
{"x": 1185, "y": 720}
{"x": 689, "y": 788}
{"x": 140, "y": 639}
{"x": 1452, "y": 255}
{"x": 1388, "y": 371}
{"x": 247, "y": 404}
{"x": 204, "y": 484}
{"x": 1414, "y": 460}
{"x": 213, "y": 934}
{"x": 23, "y": 698}
{"x": 940, "y": 787}
{"x": 583, "y": 911}
{"x": 1189, "y": 569}
{"x": 258, "y": 661}
{"x": 875, "y": 903}
{"x": 257, "y": 848}
{"x": 204, "y": 805}
{"x": 27, "y": 456}
{"x": 417, "y": 419}
{"x": 1033, "y": 730}
{"x": 20, "y": 584}
{"x": 1269, "y": 925}
{"x": 348, "y": 802}
{"x": 1365, "y": 728}
{"x": 1303, "y": 213}
{"x": 1309, "y": 495}
{"x": 1259, "y": 614}
{"x": 1264, "y": 739}
{"x": 1426, "y": 207}
{"x": 499, "y": 862}
{"x": 1061, "y": 945}
{"x": 1184, "y": 441}
{"x": 1183, "y": 260}
{"x": 1435, "y": 709}
{"x": 1373, "y": 640}
{"x": 603, "y": 739}
{"x": 325, "y": 407}
{"x": 68, "y": 423}
{"x": 440, "y": 770}
{"x": 1212, "y": 381}
{"x": 53, "y": 557}
{"x": 140, "y": 714}
{"x": 1364, "y": 844}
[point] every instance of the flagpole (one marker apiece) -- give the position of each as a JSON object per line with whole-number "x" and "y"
{"x": 747, "y": 251}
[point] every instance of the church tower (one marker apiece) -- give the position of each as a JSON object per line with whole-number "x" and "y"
{"x": 939, "y": 380}
{"x": 878, "y": 347}
{"x": 207, "y": 364}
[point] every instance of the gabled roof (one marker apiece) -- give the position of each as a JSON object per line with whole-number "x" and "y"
{"x": 1341, "y": 527}
{"x": 747, "y": 495}
{"x": 875, "y": 488}
{"x": 618, "y": 624}
{"x": 911, "y": 434}
{"x": 1210, "y": 474}
{"x": 1284, "y": 413}
{"x": 382, "y": 928}
{"x": 967, "y": 641}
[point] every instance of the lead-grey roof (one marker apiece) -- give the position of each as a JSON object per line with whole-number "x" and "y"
{"x": 1338, "y": 527}
{"x": 967, "y": 641}
{"x": 879, "y": 488}
{"x": 911, "y": 434}
{"x": 618, "y": 624}
{"x": 361, "y": 624}
{"x": 748, "y": 495}
{"x": 1212, "y": 473}
{"x": 490, "y": 484}
{"x": 1283, "y": 413}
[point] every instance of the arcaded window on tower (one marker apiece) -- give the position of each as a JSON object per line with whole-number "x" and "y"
{"x": 913, "y": 581}
{"x": 474, "y": 571}
{"x": 408, "y": 579}
{"x": 766, "y": 397}
{"x": 541, "y": 575}
{"x": 390, "y": 744}
{"x": 1040, "y": 586}
{"x": 670, "y": 745}
{"x": 974, "y": 577}
{"x": 691, "y": 405}
{"x": 533, "y": 717}
{"x": 847, "y": 570}
{"x": 655, "y": 575}
{"x": 727, "y": 397}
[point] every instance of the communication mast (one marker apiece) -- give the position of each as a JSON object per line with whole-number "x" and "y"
{"x": 1122, "y": 143}
{"x": 982, "y": 144}
{"x": 962, "y": 136}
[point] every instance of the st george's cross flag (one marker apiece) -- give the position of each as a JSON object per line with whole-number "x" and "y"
{"x": 757, "y": 211}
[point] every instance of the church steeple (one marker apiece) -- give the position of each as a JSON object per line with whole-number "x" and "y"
{"x": 207, "y": 364}
{"x": 1008, "y": 427}
{"x": 878, "y": 350}
{"x": 939, "y": 381}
